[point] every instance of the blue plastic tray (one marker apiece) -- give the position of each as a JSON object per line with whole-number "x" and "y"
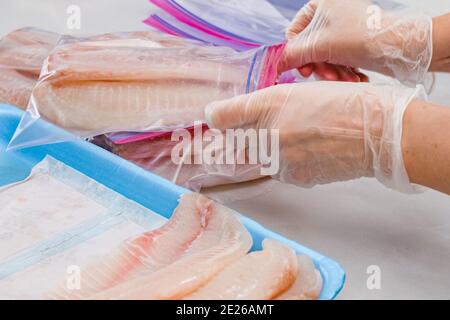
{"x": 153, "y": 192}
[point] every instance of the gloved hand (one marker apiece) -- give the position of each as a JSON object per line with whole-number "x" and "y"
{"x": 357, "y": 34}
{"x": 329, "y": 131}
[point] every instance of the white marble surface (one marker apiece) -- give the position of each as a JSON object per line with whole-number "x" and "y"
{"x": 358, "y": 223}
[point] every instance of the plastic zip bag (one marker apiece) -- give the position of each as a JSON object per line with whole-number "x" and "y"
{"x": 254, "y": 20}
{"x": 137, "y": 82}
{"x": 288, "y": 8}
{"x": 164, "y": 22}
{"x": 190, "y": 22}
{"x": 269, "y": 72}
{"x": 22, "y": 53}
{"x": 57, "y": 219}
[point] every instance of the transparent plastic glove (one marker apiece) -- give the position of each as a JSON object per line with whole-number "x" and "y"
{"x": 359, "y": 34}
{"x": 329, "y": 131}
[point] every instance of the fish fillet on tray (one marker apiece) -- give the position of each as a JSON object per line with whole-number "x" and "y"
{"x": 202, "y": 252}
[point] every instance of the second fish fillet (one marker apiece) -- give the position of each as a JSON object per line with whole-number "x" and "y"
{"x": 26, "y": 49}
{"x": 260, "y": 275}
{"x": 16, "y": 86}
{"x": 308, "y": 283}
{"x": 22, "y": 53}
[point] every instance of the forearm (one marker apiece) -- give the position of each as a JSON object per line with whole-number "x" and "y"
{"x": 426, "y": 145}
{"x": 441, "y": 44}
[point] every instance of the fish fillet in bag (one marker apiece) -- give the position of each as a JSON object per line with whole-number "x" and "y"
{"x": 56, "y": 221}
{"x": 22, "y": 54}
{"x": 99, "y": 85}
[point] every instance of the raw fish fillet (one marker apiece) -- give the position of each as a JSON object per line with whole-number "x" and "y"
{"x": 308, "y": 283}
{"x": 258, "y": 275}
{"x": 145, "y": 38}
{"x": 26, "y": 49}
{"x": 99, "y": 85}
{"x": 16, "y": 86}
{"x": 22, "y": 53}
{"x": 223, "y": 241}
{"x": 109, "y": 106}
{"x": 149, "y": 251}
{"x": 145, "y": 60}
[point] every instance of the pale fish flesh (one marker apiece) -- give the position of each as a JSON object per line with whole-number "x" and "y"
{"x": 96, "y": 86}
{"x": 259, "y": 275}
{"x": 308, "y": 283}
{"x": 223, "y": 241}
{"x": 149, "y": 251}
{"x": 22, "y": 53}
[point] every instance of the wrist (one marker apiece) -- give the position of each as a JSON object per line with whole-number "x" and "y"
{"x": 425, "y": 145}
{"x": 389, "y": 166}
{"x": 441, "y": 44}
{"x": 412, "y": 139}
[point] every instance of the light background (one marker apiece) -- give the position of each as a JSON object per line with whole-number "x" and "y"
{"x": 358, "y": 223}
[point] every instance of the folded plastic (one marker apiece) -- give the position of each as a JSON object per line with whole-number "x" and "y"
{"x": 155, "y": 155}
{"x": 251, "y": 21}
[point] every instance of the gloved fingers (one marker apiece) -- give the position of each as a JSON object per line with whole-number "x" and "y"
{"x": 332, "y": 72}
{"x": 301, "y": 20}
{"x": 247, "y": 109}
{"x": 291, "y": 58}
{"x": 326, "y": 71}
{"x": 363, "y": 77}
{"x": 347, "y": 74}
{"x": 350, "y": 74}
{"x": 230, "y": 113}
{"x": 226, "y": 114}
{"x": 307, "y": 70}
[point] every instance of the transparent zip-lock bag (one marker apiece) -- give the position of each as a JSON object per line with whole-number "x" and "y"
{"x": 137, "y": 82}
{"x": 244, "y": 22}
